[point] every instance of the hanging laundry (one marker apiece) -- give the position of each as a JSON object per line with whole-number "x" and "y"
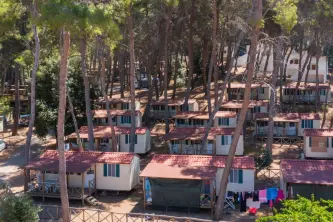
{"x": 280, "y": 196}
{"x": 271, "y": 203}
{"x": 248, "y": 195}
{"x": 236, "y": 198}
{"x": 242, "y": 203}
{"x": 256, "y": 195}
{"x": 252, "y": 204}
{"x": 263, "y": 196}
{"x": 271, "y": 193}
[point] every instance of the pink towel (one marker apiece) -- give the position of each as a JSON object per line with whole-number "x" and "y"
{"x": 280, "y": 196}
{"x": 262, "y": 196}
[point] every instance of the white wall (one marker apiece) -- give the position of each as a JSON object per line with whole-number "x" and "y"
{"x": 138, "y": 121}
{"x": 321, "y": 97}
{"x": 135, "y": 172}
{"x": 193, "y": 107}
{"x": 247, "y": 185}
{"x": 265, "y": 95}
{"x": 122, "y": 183}
{"x": 143, "y": 145}
{"x": 224, "y": 149}
{"x": 1, "y": 124}
{"x": 309, "y": 153}
{"x": 316, "y": 125}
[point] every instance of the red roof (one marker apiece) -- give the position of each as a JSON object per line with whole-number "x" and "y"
{"x": 105, "y": 131}
{"x": 302, "y": 86}
{"x": 78, "y": 162}
{"x": 318, "y": 132}
{"x": 239, "y": 104}
{"x": 288, "y": 117}
{"x": 117, "y": 100}
{"x": 203, "y": 115}
{"x": 196, "y": 133}
{"x": 244, "y": 162}
{"x": 102, "y": 113}
{"x": 307, "y": 171}
{"x": 226, "y": 114}
{"x": 242, "y": 85}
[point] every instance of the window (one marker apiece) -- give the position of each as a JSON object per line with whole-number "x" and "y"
{"x": 296, "y": 61}
{"x": 90, "y": 171}
{"x": 125, "y": 106}
{"x": 180, "y": 121}
{"x": 111, "y": 170}
{"x": 226, "y": 139}
{"x": 173, "y": 142}
{"x": 291, "y": 61}
{"x": 310, "y": 142}
{"x": 313, "y": 67}
{"x": 199, "y": 122}
{"x": 128, "y": 139}
{"x": 332, "y": 142}
{"x": 125, "y": 119}
{"x": 235, "y": 176}
{"x": 322, "y": 92}
{"x": 327, "y": 142}
{"x": 307, "y": 123}
{"x": 262, "y": 90}
{"x": 291, "y": 124}
{"x": 224, "y": 121}
{"x": 105, "y": 140}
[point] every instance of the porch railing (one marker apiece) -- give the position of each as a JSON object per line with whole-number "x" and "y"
{"x": 53, "y": 189}
{"x": 265, "y": 174}
{"x": 193, "y": 150}
{"x": 91, "y": 186}
{"x": 277, "y": 132}
{"x": 302, "y": 98}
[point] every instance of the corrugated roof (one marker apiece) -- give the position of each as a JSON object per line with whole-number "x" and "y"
{"x": 302, "y": 86}
{"x": 307, "y": 171}
{"x": 78, "y": 162}
{"x": 105, "y": 131}
{"x": 102, "y": 113}
{"x": 242, "y": 85}
{"x": 239, "y": 104}
{"x": 244, "y": 162}
{"x": 172, "y": 102}
{"x": 318, "y": 132}
{"x": 288, "y": 117}
{"x": 117, "y": 100}
{"x": 203, "y": 115}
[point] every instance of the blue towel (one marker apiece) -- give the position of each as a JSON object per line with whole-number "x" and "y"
{"x": 271, "y": 193}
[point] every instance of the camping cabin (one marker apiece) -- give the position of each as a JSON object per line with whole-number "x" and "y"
{"x": 2, "y": 124}
{"x": 86, "y": 172}
{"x": 118, "y": 103}
{"x": 307, "y": 177}
{"x": 254, "y": 107}
{"x": 192, "y": 181}
{"x": 158, "y": 107}
{"x": 306, "y": 93}
{"x": 119, "y": 118}
{"x": 258, "y": 91}
{"x": 189, "y": 140}
{"x": 200, "y": 119}
{"x": 318, "y": 143}
{"x": 286, "y": 124}
{"x": 103, "y": 138}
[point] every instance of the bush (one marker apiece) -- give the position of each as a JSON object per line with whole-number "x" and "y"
{"x": 264, "y": 158}
{"x": 18, "y": 209}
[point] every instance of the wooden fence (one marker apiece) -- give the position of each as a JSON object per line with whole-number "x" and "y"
{"x": 53, "y": 213}
{"x": 268, "y": 174}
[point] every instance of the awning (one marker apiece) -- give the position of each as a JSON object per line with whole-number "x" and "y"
{"x": 45, "y": 164}
{"x": 154, "y": 170}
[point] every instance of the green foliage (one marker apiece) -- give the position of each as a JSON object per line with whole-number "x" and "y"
{"x": 286, "y": 13}
{"x": 10, "y": 13}
{"x": 264, "y": 158}
{"x": 302, "y": 209}
{"x": 18, "y": 209}
{"x": 4, "y": 105}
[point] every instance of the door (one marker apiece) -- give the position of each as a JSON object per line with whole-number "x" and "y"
{"x": 89, "y": 177}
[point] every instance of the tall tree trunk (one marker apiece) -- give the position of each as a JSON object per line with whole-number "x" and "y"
{"x": 132, "y": 89}
{"x": 307, "y": 71}
{"x": 190, "y": 56}
{"x": 286, "y": 64}
{"x": 83, "y": 47}
{"x": 175, "y": 74}
{"x": 216, "y": 77}
{"x": 3, "y": 80}
{"x": 61, "y": 125}
{"x": 17, "y": 102}
{"x": 267, "y": 58}
{"x": 150, "y": 92}
{"x": 71, "y": 108}
{"x": 204, "y": 62}
{"x": 276, "y": 68}
{"x": 317, "y": 78}
{"x": 122, "y": 73}
{"x": 165, "y": 70}
{"x": 257, "y": 5}
{"x": 326, "y": 105}
{"x": 106, "y": 98}
{"x": 32, "y": 87}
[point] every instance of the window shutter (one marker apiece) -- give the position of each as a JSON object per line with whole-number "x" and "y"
{"x": 126, "y": 139}
{"x": 327, "y": 143}
{"x": 222, "y": 139}
{"x": 105, "y": 173}
{"x": 227, "y": 121}
{"x": 122, "y": 119}
{"x": 332, "y": 142}
{"x": 129, "y": 119}
{"x": 240, "y": 176}
{"x": 311, "y": 124}
{"x": 136, "y": 139}
{"x": 220, "y": 121}
{"x": 117, "y": 170}
{"x": 310, "y": 142}
{"x": 302, "y": 123}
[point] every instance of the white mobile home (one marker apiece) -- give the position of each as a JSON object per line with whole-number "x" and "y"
{"x": 258, "y": 91}
{"x": 306, "y": 93}
{"x": 191, "y": 181}
{"x": 254, "y": 107}
{"x": 87, "y": 172}
{"x": 119, "y": 118}
{"x": 318, "y": 143}
{"x": 286, "y": 124}
{"x": 158, "y": 107}
{"x": 103, "y": 138}
{"x": 200, "y": 119}
{"x": 189, "y": 140}
{"x": 118, "y": 103}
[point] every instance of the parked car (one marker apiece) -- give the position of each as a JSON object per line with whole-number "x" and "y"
{"x": 3, "y": 145}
